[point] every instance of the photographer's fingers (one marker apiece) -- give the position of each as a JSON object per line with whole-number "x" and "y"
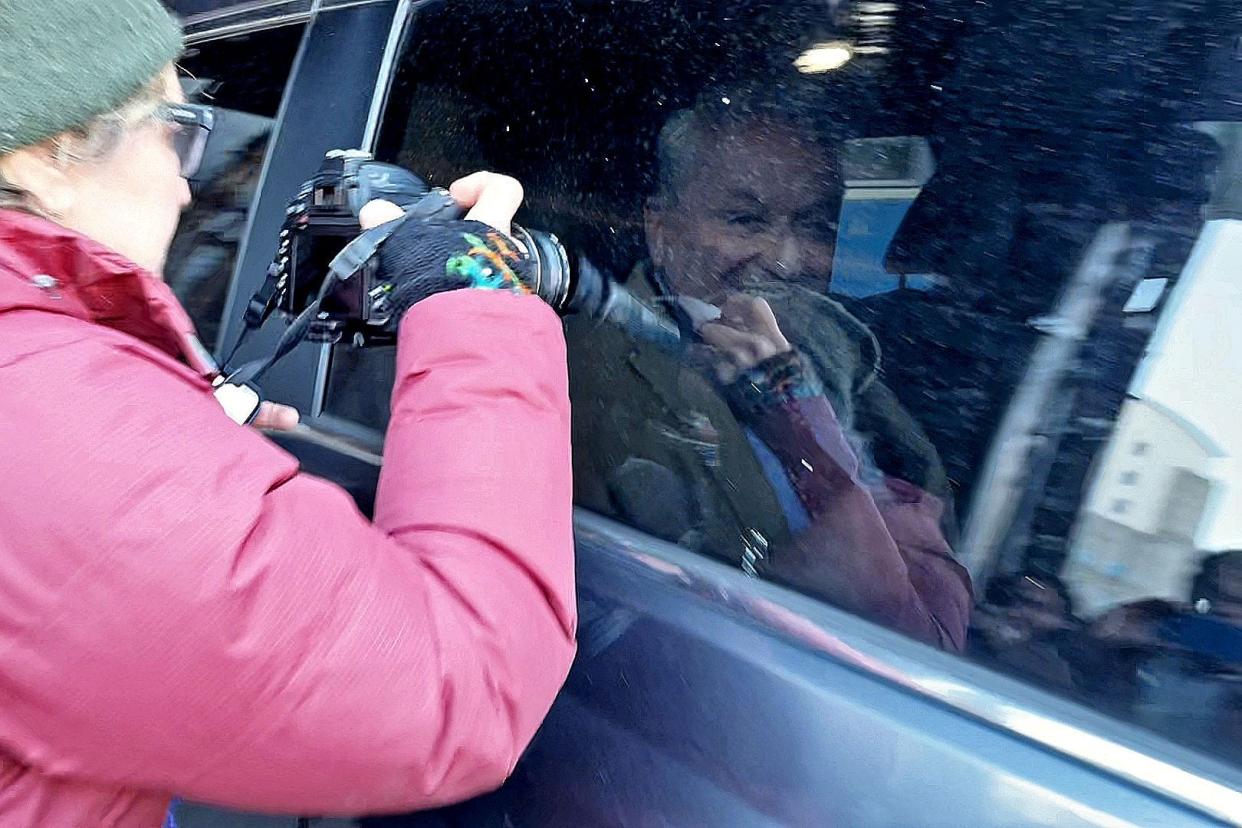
{"x": 377, "y": 212}
{"x": 276, "y": 417}
{"x": 491, "y": 197}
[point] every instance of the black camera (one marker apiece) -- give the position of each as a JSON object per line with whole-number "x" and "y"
{"x": 326, "y": 274}
{"x": 318, "y": 260}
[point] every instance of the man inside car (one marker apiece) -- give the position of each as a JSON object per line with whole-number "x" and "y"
{"x": 769, "y": 441}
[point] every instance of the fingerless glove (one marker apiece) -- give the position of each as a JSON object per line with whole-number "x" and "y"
{"x": 423, "y": 258}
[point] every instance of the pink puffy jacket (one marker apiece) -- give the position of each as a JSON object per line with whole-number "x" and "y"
{"x": 183, "y": 612}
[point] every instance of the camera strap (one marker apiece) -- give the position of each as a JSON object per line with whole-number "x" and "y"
{"x": 346, "y": 265}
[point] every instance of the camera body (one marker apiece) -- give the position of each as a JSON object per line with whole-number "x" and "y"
{"x": 319, "y": 222}
{"x": 322, "y": 220}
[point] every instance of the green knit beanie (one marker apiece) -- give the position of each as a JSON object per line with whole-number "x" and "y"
{"x": 63, "y": 62}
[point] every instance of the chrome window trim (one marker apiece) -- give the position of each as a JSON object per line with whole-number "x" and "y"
{"x": 223, "y": 32}
{"x": 401, "y": 20}
{"x": 245, "y": 18}
{"x": 332, "y": 433}
{"x": 241, "y": 8}
{"x": 336, "y": 5}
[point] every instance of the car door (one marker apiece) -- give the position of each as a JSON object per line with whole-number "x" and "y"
{"x": 1000, "y": 240}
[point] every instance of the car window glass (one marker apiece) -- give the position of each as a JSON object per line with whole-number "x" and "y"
{"x": 957, "y": 317}
{"x": 242, "y": 78}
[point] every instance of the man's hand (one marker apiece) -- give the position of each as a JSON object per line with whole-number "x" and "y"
{"x": 745, "y": 335}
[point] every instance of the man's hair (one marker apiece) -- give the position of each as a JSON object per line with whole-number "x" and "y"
{"x": 763, "y": 108}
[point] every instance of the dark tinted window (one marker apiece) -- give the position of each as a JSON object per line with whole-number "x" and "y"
{"x": 959, "y": 349}
{"x": 243, "y": 78}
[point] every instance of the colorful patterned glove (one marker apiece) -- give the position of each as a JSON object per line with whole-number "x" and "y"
{"x": 423, "y": 258}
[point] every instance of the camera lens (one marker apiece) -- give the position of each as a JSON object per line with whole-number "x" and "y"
{"x": 550, "y": 266}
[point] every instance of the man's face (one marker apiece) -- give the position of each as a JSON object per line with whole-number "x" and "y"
{"x": 762, "y": 205}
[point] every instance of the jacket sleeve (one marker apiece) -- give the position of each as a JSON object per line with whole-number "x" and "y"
{"x": 876, "y": 549}
{"x": 182, "y": 611}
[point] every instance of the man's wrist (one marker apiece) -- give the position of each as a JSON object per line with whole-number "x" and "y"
{"x": 774, "y": 382}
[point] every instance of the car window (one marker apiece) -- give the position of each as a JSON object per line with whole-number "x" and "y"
{"x": 957, "y": 315}
{"x": 242, "y": 78}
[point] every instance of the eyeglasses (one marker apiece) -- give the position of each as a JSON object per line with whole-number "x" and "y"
{"x": 192, "y": 124}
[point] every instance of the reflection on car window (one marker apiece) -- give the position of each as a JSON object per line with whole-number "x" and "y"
{"x": 243, "y": 79}
{"x": 773, "y": 430}
{"x": 955, "y": 298}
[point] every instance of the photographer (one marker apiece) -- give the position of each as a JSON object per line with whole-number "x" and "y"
{"x": 183, "y": 612}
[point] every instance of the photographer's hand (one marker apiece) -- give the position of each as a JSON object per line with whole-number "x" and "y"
{"x": 276, "y": 417}
{"x": 490, "y": 197}
{"x": 377, "y": 212}
{"x": 428, "y": 253}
